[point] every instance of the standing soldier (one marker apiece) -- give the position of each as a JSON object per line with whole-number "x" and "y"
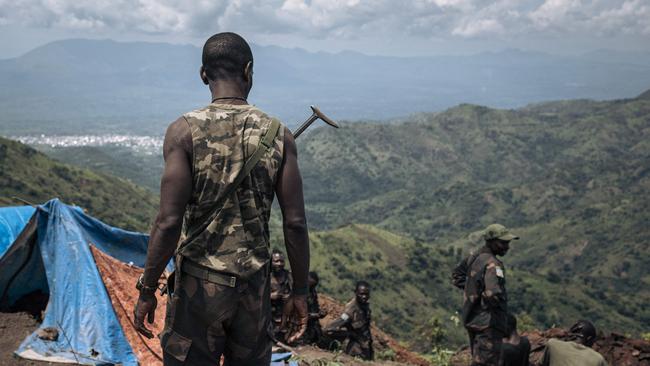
{"x": 220, "y": 201}
{"x": 485, "y": 302}
{"x": 354, "y": 324}
{"x": 280, "y": 293}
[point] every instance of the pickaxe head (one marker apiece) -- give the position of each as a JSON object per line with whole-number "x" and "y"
{"x": 315, "y": 115}
{"x": 322, "y": 116}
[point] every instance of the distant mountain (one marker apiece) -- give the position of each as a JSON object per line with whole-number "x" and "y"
{"x": 102, "y": 86}
{"x": 32, "y": 176}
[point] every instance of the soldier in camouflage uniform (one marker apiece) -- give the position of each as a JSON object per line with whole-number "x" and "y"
{"x": 219, "y": 302}
{"x": 485, "y": 301}
{"x": 280, "y": 292}
{"x": 354, "y": 324}
{"x": 314, "y": 331}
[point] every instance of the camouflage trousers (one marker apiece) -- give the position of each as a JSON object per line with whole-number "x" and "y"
{"x": 486, "y": 347}
{"x": 206, "y": 320}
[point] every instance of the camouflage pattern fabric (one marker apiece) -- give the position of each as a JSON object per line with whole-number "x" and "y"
{"x": 485, "y": 306}
{"x": 281, "y": 285}
{"x": 205, "y": 320}
{"x": 355, "y": 320}
{"x": 314, "y": 331}
{"x": 459, "y": 274}
{"x": 485, "y": 301}
{"x": 486, "y": 348}
{"x": 236, "y": 241}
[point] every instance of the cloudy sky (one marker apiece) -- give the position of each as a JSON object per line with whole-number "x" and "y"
{"x": 387, "y": 27}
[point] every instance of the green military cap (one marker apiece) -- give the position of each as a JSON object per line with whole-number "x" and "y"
{"x": 498, "y": 231}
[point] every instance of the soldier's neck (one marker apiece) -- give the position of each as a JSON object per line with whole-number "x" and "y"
{"x": 228, "y": 92}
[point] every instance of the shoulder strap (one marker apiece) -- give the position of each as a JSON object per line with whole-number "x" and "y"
{"x": 265, "y": 145}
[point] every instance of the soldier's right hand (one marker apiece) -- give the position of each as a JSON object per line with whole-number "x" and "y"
{"x": 299, "y": 307}
{"x": 146, "y": 307}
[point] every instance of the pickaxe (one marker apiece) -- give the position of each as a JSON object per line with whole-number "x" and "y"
{"x": 315, "y": 115}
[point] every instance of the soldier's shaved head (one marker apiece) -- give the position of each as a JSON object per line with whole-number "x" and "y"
{"x": 583, "y": 331}
{"x": 362, "y": 284}
{"x": 225, "y": 56}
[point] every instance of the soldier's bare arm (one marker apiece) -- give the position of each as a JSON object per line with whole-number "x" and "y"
{"x": 289, "y": 190}
{"x": 175, "y": 193}
{"x": 296, "y": 239}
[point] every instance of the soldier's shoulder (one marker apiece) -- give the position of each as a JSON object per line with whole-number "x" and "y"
{"x": 482, "y": 260}
{"x": 351, "y": 305}
{"x": 256, "y": 114}
{"x": 200, "y": 113}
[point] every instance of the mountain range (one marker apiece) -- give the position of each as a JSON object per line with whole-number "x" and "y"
{"x": 83, "y": 86}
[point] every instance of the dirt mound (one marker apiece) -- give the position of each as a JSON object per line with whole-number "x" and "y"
{"x": 616, "y": 348}
{"x": 382, "y": 341}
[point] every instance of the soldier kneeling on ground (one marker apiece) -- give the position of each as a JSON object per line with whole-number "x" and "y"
{"x": 577, "y": 350}
{"x": 354, "y": 324}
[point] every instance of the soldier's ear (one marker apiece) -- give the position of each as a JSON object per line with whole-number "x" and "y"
{"x": 204, "y": 75}
{"x": 248, "y": 71}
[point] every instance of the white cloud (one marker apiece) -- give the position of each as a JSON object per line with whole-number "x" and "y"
{"x": 633, "y": 16}
{"x": 553, "y": 11}
{"x": 482, "y": 27}
{"x": 335, "y": 19}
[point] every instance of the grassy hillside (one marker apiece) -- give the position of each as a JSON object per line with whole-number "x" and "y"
{"x": 571, "y": 177}
{"x": 398, "y": 204}
{"x": 32, "y": 176}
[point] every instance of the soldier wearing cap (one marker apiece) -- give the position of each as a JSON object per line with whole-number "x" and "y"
{"x": 485, "y": 302}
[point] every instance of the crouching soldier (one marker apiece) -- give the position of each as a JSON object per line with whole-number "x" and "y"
{"x": 354, "y": 324}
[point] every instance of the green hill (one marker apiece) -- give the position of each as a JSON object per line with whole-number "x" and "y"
{"x": 32, "y": 176}
{"x": 572, "y": 177}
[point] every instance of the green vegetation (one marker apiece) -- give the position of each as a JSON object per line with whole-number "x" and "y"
{"x": 572, "y": 177}
{"x": 32, "y": 176}
{"x": 400, "y": 204}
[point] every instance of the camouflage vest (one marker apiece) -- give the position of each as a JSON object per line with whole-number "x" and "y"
{"x": 236, "y": 241}
{"x": 485, "y": 300}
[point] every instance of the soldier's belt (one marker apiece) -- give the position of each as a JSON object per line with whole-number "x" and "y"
{"x": 207, "y": 274}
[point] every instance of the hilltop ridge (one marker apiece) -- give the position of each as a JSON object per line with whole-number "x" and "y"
{"x": 32, "y": 176}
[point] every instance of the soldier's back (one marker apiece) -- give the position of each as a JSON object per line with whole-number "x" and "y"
{"x": 561, "y": 353}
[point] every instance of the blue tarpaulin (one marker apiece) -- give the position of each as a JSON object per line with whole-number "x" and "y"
{"x": 79, "y": 307}
{"x": 12, "y": 222}
{"x": 52, "y": 255}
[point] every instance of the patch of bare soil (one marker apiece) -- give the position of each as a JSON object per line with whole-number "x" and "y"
{"x": 14, "y": 328}
{"x": 616, "y": 348}
{"x": 312, "y": 356}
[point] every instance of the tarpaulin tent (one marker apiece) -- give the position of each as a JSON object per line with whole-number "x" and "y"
{"x": 89, "y": 270}
{"x": 12, "y": 222}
